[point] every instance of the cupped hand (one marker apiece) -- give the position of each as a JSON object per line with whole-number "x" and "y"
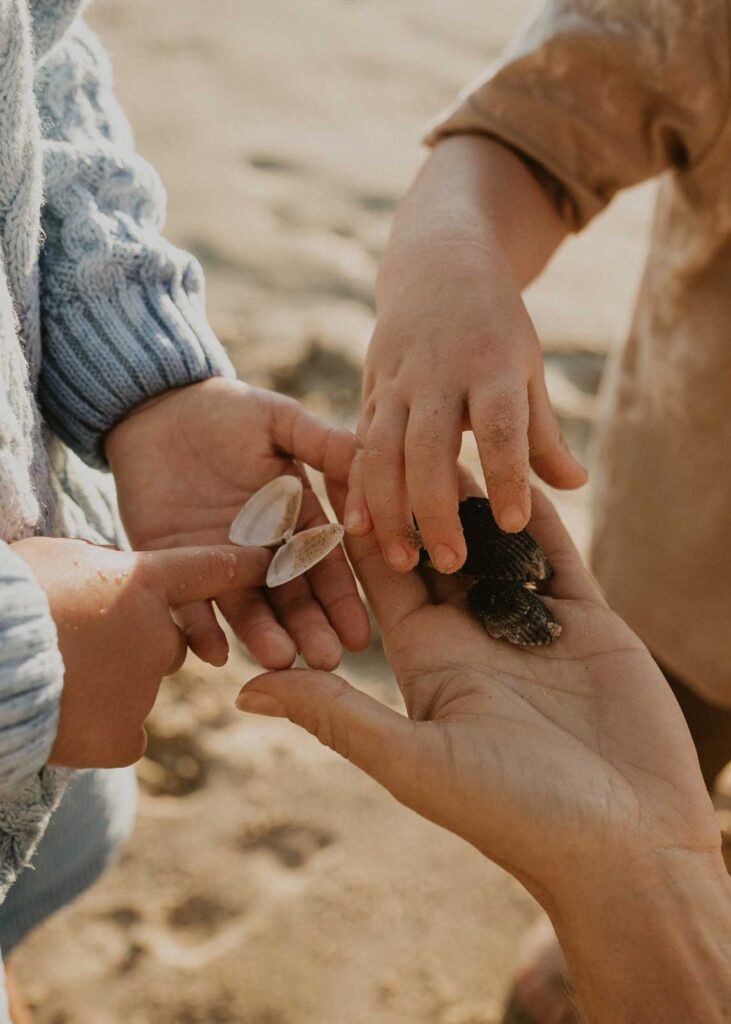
{"x": 113, "y": 615}
{"x": 186, "y": 462}
{"x": 551, "y": 761}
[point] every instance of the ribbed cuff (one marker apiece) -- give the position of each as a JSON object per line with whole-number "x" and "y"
{"x": 105, "y": 357}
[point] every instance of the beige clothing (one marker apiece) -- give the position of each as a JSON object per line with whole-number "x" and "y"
{"x": 604, "y": 94}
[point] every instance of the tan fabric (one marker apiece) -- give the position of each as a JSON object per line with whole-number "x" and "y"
{"x": 604, "y": 95}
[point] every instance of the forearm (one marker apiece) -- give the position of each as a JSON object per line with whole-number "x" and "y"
{"x": 474, "y": 190}
{"x": 652, "y": 945}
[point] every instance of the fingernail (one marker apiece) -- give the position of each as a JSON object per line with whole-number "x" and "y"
{"x": 512, "y": 519}
{"x": 355, "y": 520}
{"x": 399, "y": 556}
{"x": 444, "y": 558}
{"x": 260, "y": 704}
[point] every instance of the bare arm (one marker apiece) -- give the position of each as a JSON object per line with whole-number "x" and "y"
{"x": 475, "y": 188}
{"x": 651, "y": 944}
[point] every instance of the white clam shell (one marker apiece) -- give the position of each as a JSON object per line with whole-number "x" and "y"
{"x": 303, "y": 551}
{"x": 270, "y": 516}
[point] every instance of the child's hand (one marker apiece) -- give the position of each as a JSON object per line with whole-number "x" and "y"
{"x": 186, "y": 462}
{"x": 454, "y": 349}
{"x": 117, "y": 637}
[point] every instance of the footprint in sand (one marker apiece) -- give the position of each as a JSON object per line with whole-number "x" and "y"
{"x": 200, "y": 915}
{"x": 290, "y": 843}
{"x": 174, "y": 764}
{"x": 272, "y": 163}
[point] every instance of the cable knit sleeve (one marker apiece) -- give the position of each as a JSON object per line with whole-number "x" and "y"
{"x": 123, "y": 313}
{"x": 31, "y": 675}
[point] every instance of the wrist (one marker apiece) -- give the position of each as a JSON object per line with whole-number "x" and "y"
{"x": 649, "y": 938}
{"x": 474, "y": 188}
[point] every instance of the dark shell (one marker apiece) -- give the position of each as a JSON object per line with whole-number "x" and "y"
{"x": 497, "y": 555}
{"x": 506, "y": 567}
{"x": 511, "y": 611}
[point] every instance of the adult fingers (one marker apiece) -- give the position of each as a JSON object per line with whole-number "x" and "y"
{"x": 549, "y": 454}
{"x": 499, "y": 420}
{"x": 371, "y": 736}
{"x": 572, "y": 580}
{"x": 433, "y": 441}
{"x": 385, "y": 485}
{"x": 202, "y": 632}
{"x": 199, "y": 573}
{"x": 307, "y": 624}
{"x": 325, "y": 448}
{"x": 334, "y": 587}
{"x": 255, "y": 624}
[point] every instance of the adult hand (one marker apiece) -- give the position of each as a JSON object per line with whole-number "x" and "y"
{"x": 555, "y": 762}
{"x": 112, "y": 611}
{"x": 186, "y": 462}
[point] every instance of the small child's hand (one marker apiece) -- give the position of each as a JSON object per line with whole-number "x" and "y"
{"x": 116, "y": 633}
{"x": 454, "y": 349}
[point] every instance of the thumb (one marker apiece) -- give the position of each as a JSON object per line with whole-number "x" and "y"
{"x": 375, "y": 738}
{"x": 197, "y": 574}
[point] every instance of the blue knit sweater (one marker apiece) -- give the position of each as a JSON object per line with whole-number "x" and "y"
{"x": 97, "y": 313}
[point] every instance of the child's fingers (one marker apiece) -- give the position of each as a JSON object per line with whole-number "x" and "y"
{"x": 357, "y": 519}
{"x": 255, "y": 624}
{"x": 385, "y": 485}
{"x": 433, "y": 441}
{"x": 203, "y": 634}
{"x": 198, "y": 573}
{"x": 499, "y": 420}
{"x": 549, "y": 453}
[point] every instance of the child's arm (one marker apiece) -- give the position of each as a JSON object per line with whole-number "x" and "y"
{"x": 455, "y": 347}
{"x": 595, "y": 97}
{"x": 124, "y": 322}
{"x": 122, "y": 310}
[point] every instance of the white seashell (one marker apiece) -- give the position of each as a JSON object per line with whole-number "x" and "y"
{"x": 270, "y": 516}
{"x": 303, "y": 551}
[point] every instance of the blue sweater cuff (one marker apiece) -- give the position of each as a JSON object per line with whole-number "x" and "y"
{"x": 31, "y": 679}
{"x": 31, "y": 674}
{"x": 107, "y": 355}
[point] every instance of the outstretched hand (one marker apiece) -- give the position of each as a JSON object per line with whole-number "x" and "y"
{"x": 548, "y": 760}
{"x": 186, "y": 462}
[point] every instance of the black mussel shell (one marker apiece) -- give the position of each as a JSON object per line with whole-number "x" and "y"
{"x": 511, "y": 611}
{"x": 492, "y": 554}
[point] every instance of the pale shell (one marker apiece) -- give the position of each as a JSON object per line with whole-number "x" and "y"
{"x": 270, "y": 516}
{"x": 303, "y": 551}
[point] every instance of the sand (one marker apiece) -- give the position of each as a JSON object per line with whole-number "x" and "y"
{"x": 268, "y": 882}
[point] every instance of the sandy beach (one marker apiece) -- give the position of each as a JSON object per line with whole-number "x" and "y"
{"x": 268, "y": 882}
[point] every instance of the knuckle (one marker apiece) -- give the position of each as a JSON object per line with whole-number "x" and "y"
{"x": 379, "y": 454}
{"x": 512, "y": 474}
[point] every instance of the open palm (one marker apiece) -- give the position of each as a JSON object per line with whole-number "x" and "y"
{"x": 186, "y": 462}
{"x": 540, "y": 757}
